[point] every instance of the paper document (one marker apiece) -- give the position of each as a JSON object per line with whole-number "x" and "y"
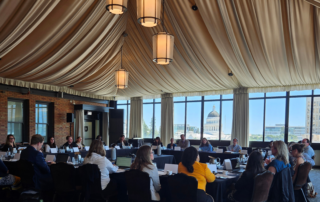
{"x": 53, "y": 150}
{"x": 162, "y": 173}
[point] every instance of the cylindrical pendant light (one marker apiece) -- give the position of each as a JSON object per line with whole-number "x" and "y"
{"x": 116, "y": 6}
{"x": 122, "y": 77}
{"x": 148, "y": 12}
{"x": 162, "y": 48}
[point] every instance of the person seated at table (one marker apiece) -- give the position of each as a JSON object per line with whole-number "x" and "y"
{"x": 191, "y": 166}
{"x": 205, "y": 145}
{"x": 143, "y": 162}
{"x": 97, "y": 155}
{"x": 10, "y": 143}
{"x": 157, "y": 142}
{"x": 42, "y": 176}
{"x": 69, "y": 143}
{"x": 235, "y": 147}
{"x": 308, "y": 149}
{"x": 296, "y": 152}
{"x": 99, "y": 137}
{"x": 183, "y": 143}
{"x": 244, "y": 186}
{"x": 50, "y": 145}
{"x": 8, "y": 179}
{"x": 79, "y": 143}
{"x": 271, "y": 143}
{"x": 280, "y": 150}
{"x": 171, "y": 145}
{"x": 121, "y": 142}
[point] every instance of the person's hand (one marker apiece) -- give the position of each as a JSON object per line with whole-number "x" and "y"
{"x": 52, "y": 162}
{"x": 267, "y": 161}
{"x": 8, "y": 172}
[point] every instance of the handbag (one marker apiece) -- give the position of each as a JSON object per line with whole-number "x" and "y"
{"x": 311, "y": 191}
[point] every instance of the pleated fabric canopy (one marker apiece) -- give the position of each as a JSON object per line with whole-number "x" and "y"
{"x": 269, "y": 45}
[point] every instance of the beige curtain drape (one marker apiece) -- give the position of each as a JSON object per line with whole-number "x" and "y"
{"x": 136, "y": 112}
{"x": 314, "y": 2}
{"x": 166, "y": 118}
{"x": 79, "y": 123}
{"x": 240, "y": 121}
{"x": 105, "y": 127}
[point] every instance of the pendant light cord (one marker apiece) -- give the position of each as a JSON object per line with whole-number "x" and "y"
{"x": 121, "y": 58}
{"x": 163, "y": 27}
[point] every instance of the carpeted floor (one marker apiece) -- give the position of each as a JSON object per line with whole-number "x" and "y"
{"x": 315, "y": 179}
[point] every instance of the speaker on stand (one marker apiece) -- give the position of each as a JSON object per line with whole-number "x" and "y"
{"x": 70, "y": 119}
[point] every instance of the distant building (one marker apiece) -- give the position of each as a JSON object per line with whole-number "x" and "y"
{"x": 278, "y": 130}
{"x": 211, "y": 127}
{"x": 316, "y": 118}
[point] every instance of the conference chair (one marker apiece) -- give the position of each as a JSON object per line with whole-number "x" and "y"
{"x": 262, "y": 184}
{"x": 64, "y": 179}
{"x": 301, "y": 180}
{"x": 26, "y": 173}
{"x": 138, "y": 186}
{"x": 182, "y": 188}
{"x": 282, "y": 187}
{"x": 91, "y": 183}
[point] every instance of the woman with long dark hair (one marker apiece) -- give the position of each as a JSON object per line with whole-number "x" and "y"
{"x": 205, "y": 145}
{"x": 244, "y": 185}
{"x": 296, "y": 152}
{"x": 157, "y": 142}
{"x": 191, "y": 166}
{"x": 51, "y": 144}
{"x": 143, "y": 162}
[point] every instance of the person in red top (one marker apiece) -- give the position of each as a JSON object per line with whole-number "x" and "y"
{"x": 191, "y": 166}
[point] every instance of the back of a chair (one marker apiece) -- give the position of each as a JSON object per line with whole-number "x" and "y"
{"x": 183, "y": 188}
{"x": 262, "y": 184}
{"x": 63, "y": 176}
{"x": 138, "y": 185}
{"x": 26, "y": 173}
{"x": 91, "y": 180}
{"x": 62, "y": 158}
{"x": 302, "y": 175}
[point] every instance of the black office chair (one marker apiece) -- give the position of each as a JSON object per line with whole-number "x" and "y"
{"x": 183, "y": 188}
{"x": 301, "y": 180}
{"x": 26, "y": 173}
{"x": 91, "y": 183}
{"x": 138, "y": 186}
{"x": 64, "y": 179}
{"x": 262, "y": 184}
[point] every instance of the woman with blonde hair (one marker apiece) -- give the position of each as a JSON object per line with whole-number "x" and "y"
{"x": 10, "y": 143}
{"x": 97, "y": 155}
{"x": 143, "y": 162}
{"x": 281, "y": 161}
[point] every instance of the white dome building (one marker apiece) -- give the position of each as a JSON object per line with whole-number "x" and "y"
{"x": 211, "y": 127}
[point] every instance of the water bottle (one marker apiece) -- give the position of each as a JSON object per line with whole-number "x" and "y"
{"x": 159, "y": 150}
{"x": 113, "y": 154}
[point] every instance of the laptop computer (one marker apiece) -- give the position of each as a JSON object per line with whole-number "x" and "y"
{"x": 124, "y": 162}
{"x": 235, "y": 164}
{"x": 63, "y": 158}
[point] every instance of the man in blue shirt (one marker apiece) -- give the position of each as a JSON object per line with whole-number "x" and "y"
{"x": 308, "y": 149}
{"x": 235, "y": 147}
{"x": 42, "y": 176}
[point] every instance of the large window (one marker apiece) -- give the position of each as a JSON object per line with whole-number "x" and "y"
{"x": 151, "y": 118}
{"x": 284, "y": 116}
{"x": 15, "y": 119}
{"x": 42, "y": 123}
{"x": 203, "y": 116}
{"x": 125, "y": 105}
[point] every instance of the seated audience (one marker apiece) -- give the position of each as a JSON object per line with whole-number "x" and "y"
{"x": 97, "y": 155}
{"x": 190, "y": 166}
{"x": 280, "y": 151}
{"x": 205, "y": 145}
{"x": 121, "y": 142}
{"x": 79, "y": 143}
{"x": 10, "y": 144}
{"x": 8, "y": 179}
{"x": 271, "y": 143}
{"x": 183, "y": 143}
{"x": 70, "y": 144}
{"x": 235, "y": 147}
{"x": 171, "y": 145}
{"x": 143, "y": 162}
{"x": 157, "y": 142}
{"x": 244, "y": 185}
{"x": 306, "y": 157}
{"x": 296, "y": 152}
{"x": 50, "y": 145}
{"x": 308, "y": 149}
{"x": 99, "y": 137}
{"x": 42, "y": 176}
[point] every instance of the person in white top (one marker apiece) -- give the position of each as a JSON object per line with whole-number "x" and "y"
{"x": 97, "y": 155}
{"x": 143, "y": 162}
{"x": 79, "y": 143}
{"x": 50, "y": 145}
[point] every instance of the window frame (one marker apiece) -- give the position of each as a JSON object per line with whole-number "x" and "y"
{"x": 202, "y": 101}
{"x": 127, "y": 108}
{"x": 36, "y": 124}
{"x": 153, "y": 103}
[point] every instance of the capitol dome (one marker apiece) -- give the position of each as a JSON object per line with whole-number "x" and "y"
{"x": 213, "y": 113}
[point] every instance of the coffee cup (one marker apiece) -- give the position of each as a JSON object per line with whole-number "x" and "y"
{"x": 225, "y": 172}
{"x": 169, "y": 172}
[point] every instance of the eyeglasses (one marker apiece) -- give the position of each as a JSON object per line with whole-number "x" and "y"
{"x": 11, "y": 138}
{"x": 152, "y": 152}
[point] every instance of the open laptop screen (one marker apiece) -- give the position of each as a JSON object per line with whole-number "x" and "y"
{"x": 235, "y": 163}
{"x": 123, "y": 162}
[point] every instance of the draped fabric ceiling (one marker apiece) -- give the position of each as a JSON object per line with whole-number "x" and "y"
{"x": 269, "y": 45}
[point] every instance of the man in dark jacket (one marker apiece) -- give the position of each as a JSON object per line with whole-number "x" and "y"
{"x": 70, "y": 143}
{"x": 121, "y": 142}
{"x": 42, "y": 176}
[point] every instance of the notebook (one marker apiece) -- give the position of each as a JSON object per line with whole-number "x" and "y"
{"x": 123, "y": 162}
{"x": 172, "y": 167}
